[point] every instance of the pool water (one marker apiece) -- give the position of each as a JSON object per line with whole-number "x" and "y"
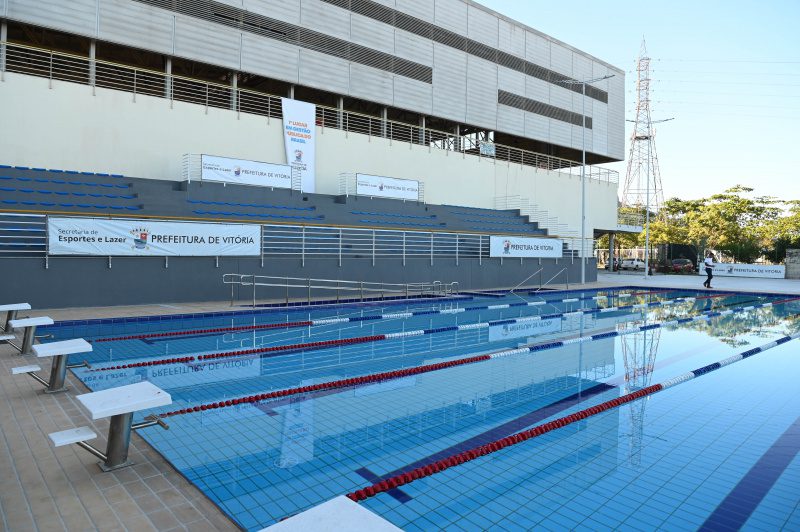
{"x": 718, "y": 451}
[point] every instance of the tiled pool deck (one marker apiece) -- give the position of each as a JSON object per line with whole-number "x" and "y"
{"x": 50, "y": 489}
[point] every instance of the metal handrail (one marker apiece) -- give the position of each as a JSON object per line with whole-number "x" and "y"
{"x": 553, "y": 277}
{"x": 526, "y": 279}
{"x": 436, "y": 288}
{"x": 41, "y": 62}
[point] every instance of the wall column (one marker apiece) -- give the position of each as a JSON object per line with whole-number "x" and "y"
{"x": 234, "y": 90}
{"x": 611, "y": 252}
{"x": 3, "y": 39}
{"x": 93, "y": 64}
{"x": 168, "y": 79}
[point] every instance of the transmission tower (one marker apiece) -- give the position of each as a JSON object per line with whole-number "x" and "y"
{"x": 643, "y": 179}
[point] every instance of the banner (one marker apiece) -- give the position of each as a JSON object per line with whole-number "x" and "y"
{"x": 241, "y": 171}
{"x": 387, "y": 187}
{"x": 511, "y": 246}
{"x": 95, "y": 236}
{"x": 508, "y": 331}
{"x": 299, "y": 135}
{"x": 746, "y": 270}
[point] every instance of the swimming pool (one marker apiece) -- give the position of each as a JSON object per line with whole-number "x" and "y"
{"x": 276, "y": 411}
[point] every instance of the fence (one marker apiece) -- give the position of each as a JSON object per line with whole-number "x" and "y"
{"x": 138, "y": 81}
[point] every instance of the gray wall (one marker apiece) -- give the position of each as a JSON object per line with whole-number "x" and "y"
{"x": 76, "y": 282}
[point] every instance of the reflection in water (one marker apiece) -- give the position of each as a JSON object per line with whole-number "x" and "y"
{"x": 639, "y": 354}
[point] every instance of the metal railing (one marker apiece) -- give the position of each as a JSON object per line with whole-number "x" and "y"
{"x": 565, "y": 271}
{"x": 363, "y": 289}
{"x": 98, "y": 73}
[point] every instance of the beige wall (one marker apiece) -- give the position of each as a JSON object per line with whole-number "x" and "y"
{"x": 68, "y": 127}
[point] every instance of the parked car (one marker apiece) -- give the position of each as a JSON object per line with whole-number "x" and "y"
{"x": 682, "y": 266}
{"x": 616, "y": 264}
{"x": 632, "y": 264}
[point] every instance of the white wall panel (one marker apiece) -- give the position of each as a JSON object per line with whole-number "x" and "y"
{"x": 232, "y": 3}
{"x": 387, "y": 3}
{"x": 449, "y": 82}
{"x": 371, "y": 84}
{"x": 325, "y": 18}
{"x": 561, "y": 59}
{"x": 371, "y": 33}
{"x": 561, "y": 97}
{"x": 560, "y": 132}
{"x": 510, "y": 120}
{"x": 511, "y": 38}
{"x": 537, "y": 49}
{"x": 481, "y": 92}
{"x": 582, "y": 67}
{"x": 413, "y": 95}
{"x": 599, "y": 128}
{"x": 207, "y": 42}
{"x": 482, "y": 26}
{"x": 324, "y": 71}
{"x": 451, "y": 15}
{"x": 511, "y": 81}
{"x": 421, "y": 9}
{"x": 78, "y": 16}
{"x": 153, "y": 28}
{"x": 285, "y": 10}
{"x": 616, "y": 116}
{"x": 537, "y": 89}
{"x": 537, "y": 127}
{"x": 273, "y": 59}
{"x": 414, "y": 48}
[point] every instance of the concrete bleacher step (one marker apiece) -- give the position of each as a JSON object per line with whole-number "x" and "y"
{"x": 70, "y": 436}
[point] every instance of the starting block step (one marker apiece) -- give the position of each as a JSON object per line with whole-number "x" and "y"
{"x": 25, "y": 369}
{"x": 66, "y": 437}
{"x": 6, "y": 337}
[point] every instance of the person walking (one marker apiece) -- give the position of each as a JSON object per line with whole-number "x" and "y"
{"x": 709, "y": 265}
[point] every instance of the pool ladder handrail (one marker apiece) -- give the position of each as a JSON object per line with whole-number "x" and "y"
{"x": 434, "y": 289}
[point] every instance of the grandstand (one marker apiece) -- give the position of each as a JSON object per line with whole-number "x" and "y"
{"x": 113, "y": 103}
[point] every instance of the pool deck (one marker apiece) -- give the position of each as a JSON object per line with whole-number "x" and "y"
{"x": 50, "y": 489}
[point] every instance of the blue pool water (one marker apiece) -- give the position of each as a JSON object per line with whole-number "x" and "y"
{"x": 718, "y": 451}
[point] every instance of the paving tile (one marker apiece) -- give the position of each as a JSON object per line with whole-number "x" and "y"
{"x": 163, "y": 519}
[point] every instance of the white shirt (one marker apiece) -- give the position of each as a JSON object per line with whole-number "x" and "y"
{"x": 709, "y": 262}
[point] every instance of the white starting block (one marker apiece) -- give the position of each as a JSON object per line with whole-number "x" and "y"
{"x": 59, "y": 351}
{"x": 29, "y": 324}
{"x": 25, "y": 369}
{"x": 120, "y": 403}
{"x": 11, "y": 313}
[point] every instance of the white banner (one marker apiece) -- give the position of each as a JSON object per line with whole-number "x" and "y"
{"x": 299, "y": 135}
{"x": 746, "y": 270}
{"x": 387, "y": 187}
{"x": 512, "y": 246}
{"x": 95, "y": 236}
{"x": 508, "y": 331}
{"x": 241, "y": 171}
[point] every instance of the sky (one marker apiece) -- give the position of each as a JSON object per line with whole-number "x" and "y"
{"x": 728, "y": 73}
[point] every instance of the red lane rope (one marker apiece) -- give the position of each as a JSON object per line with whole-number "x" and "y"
{"x": 259, "y": 327}
{"x": 245, "y": 352}
{"x": 342, "y": 383}
{"x": 488, "y": 448}
{"x": 204, "y": 331}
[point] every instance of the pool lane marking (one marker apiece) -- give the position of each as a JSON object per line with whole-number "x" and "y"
{"x": 734, "y": 511}
{"x": 330, "y": 321}
{"x": 406, "y": 372}
{"x": 505, "y": 429}
{"x": 492, "y": 447}
{"x": 280, "y": 349}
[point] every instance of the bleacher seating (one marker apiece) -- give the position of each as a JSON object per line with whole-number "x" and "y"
{"x": 40, "y": 190}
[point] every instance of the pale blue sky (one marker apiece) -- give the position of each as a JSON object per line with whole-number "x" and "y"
{"x": 728, "y": 72}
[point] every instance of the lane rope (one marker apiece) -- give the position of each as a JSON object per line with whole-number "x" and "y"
{"x": 469, "y": 455}
{"x": 322, "y": 344}
{"x": 396, "y": 374}
{"x": 329, "y": 321}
